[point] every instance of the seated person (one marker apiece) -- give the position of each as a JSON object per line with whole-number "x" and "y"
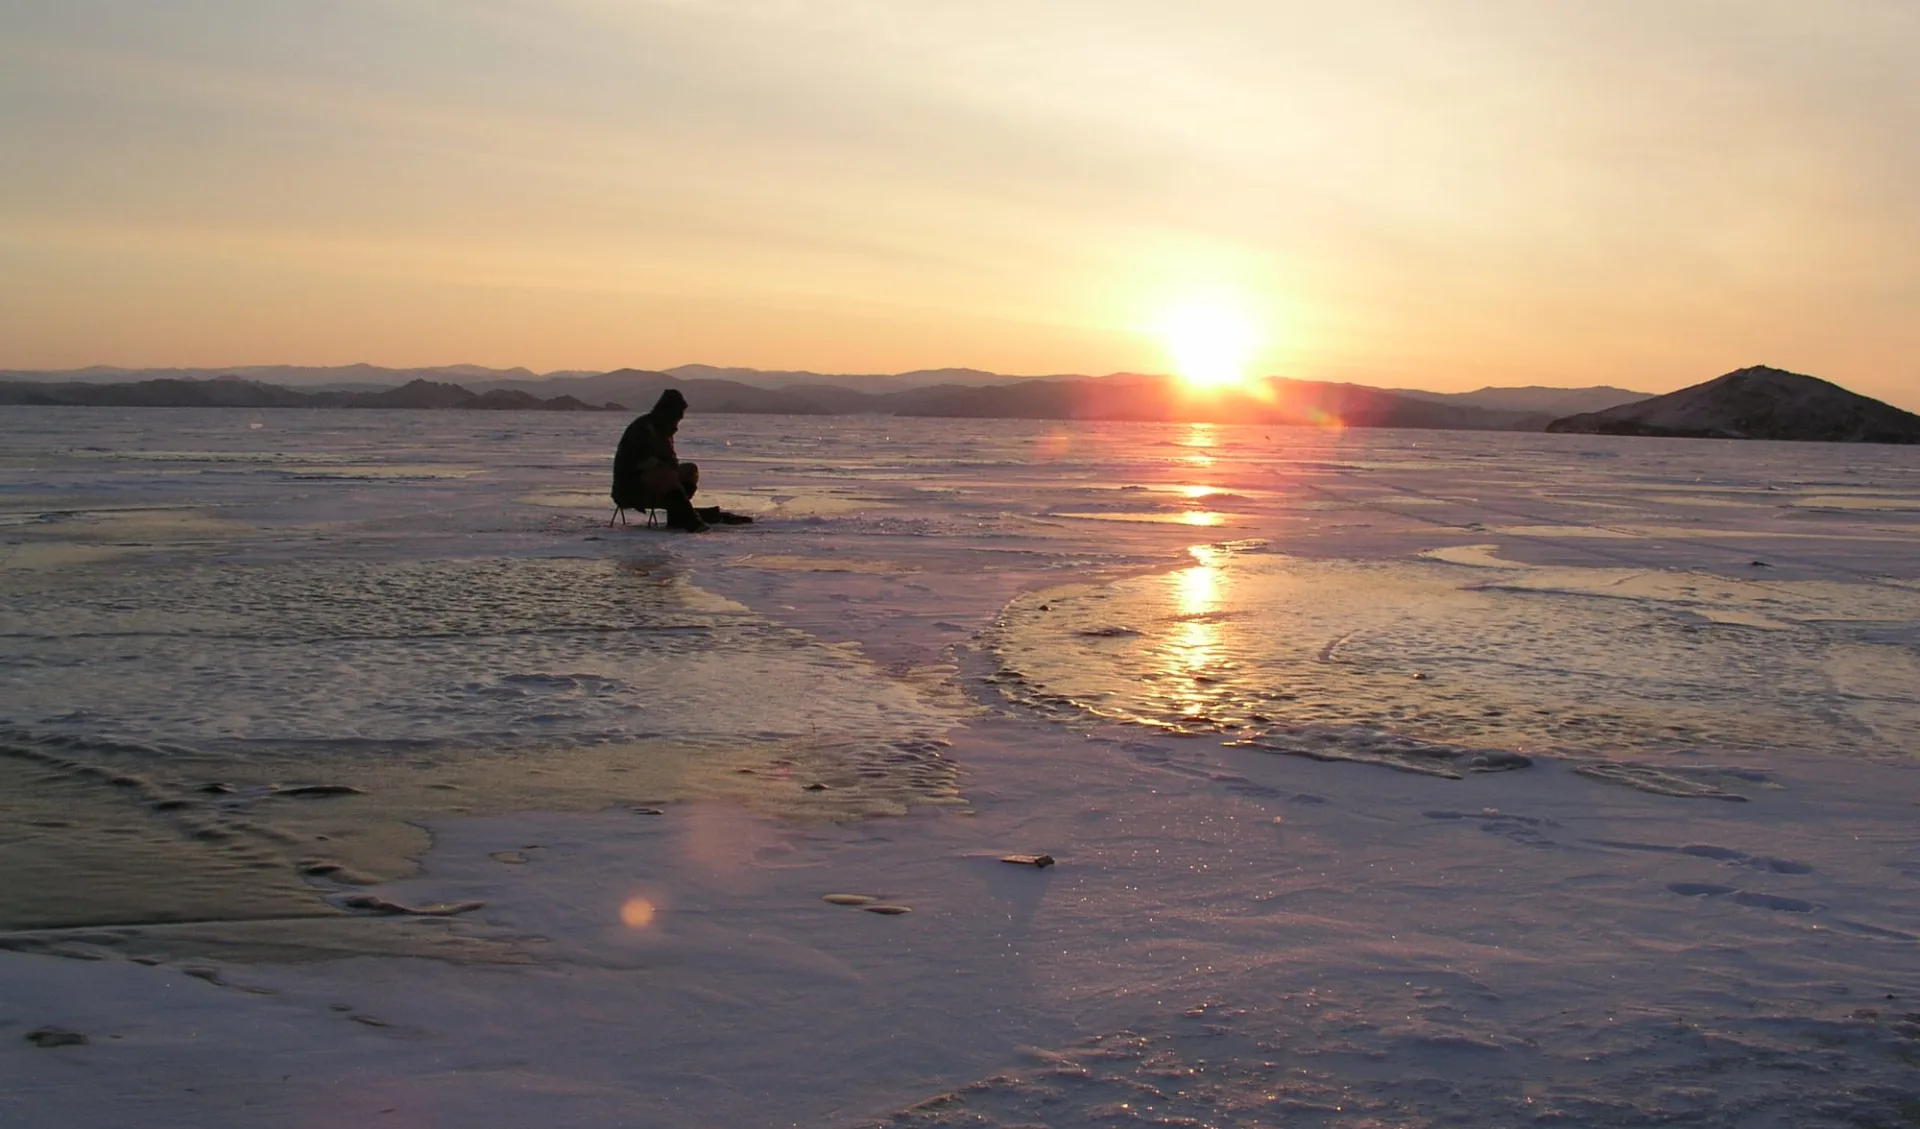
{"x": 647, "y": 475}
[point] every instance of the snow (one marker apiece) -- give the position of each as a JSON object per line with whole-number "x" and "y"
{"x": 1231, "y": 935}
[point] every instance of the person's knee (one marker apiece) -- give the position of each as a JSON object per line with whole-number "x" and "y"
{"x": 658, "y": 479}
{"x": 689, "y": 478}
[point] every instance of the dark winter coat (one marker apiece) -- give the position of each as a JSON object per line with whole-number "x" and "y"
{"x": 647, "y": 443}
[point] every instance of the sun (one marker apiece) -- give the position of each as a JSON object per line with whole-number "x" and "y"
{"x": 1211, "y": 342}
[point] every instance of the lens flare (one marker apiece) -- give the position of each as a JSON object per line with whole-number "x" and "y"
{"x": 638, "y": 913}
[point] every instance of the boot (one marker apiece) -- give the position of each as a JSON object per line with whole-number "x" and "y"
{"x": 714, "y": 515}
{"x": 680, "y": 515}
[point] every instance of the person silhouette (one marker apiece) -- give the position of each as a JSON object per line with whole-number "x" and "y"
{"x": 648, "y": 475}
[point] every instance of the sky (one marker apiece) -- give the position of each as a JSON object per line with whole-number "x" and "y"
{"x": 1440, "y": 194}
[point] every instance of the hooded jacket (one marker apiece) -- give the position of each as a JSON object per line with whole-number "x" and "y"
{"x": 647, "y": 443}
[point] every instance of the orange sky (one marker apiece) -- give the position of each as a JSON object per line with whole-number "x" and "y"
{"x": 1423, "y": 193}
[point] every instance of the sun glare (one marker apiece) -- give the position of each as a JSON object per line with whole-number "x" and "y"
{"x": 1211, "y": 342}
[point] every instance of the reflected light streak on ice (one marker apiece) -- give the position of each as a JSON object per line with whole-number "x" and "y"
{"x": 1200, "y": 517}
{"x": 1193, "y": 650}
{"x": 1199, "y": 435}
{"x": 1052, "y": 447}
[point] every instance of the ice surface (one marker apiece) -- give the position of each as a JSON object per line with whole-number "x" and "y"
{"x": 551, "y": 717}
{"x": 1569, "y": 662}
{"x": 489, "y": 652}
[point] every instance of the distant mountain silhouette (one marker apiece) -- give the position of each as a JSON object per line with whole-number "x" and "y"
{"x": 412, "y": 394}
{"x": 1755, "y": 403}
{"x": 228, "y": 392}
{"x": 234, "y": 392}
{"x": 641, "y": 387}
{"x": 1122, "y": 396}
{"x": 348, "y": 378}
{"x": 1536, "y": 398}
{"x": 1751, "y": 403}
{"x": 873, "y": 382}
{"x": 1274, "y": 402}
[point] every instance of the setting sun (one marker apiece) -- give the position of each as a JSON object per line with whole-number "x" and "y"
{"x": 1211, "y": 342}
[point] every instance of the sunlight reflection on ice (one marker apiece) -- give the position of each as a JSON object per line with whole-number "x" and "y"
{"x": 1596, "y": 661}
{"x": 1188, "y": 517}
{"x": 1194, "y": 648}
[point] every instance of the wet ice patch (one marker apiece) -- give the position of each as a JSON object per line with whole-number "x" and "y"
{"x": 1889, "y": 503}
{"x": 1703, "y": 783}
{"x": 792, "y": 562}
{"x": 569, "y": 500}
{"x": 181, "y": 699}
{"x": 377, "y": 472}
{"x": 1421, "y": 664}
{"x": 1362, "y": 746}
{"x": 1473, "y": 556}
{"x": 485, "y": 653}
{"x": 1589, "y": 532}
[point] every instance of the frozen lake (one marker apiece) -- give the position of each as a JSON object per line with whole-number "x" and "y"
{"x": 1649, "y": 852}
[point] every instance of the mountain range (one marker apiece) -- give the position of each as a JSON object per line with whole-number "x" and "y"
{"x": 958, "y": 393}
{"x": 480, "y": 378}
{"x": 230, "y": 391}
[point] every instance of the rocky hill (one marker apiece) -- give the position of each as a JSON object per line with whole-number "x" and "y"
{"x": 1755, "y": 403}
